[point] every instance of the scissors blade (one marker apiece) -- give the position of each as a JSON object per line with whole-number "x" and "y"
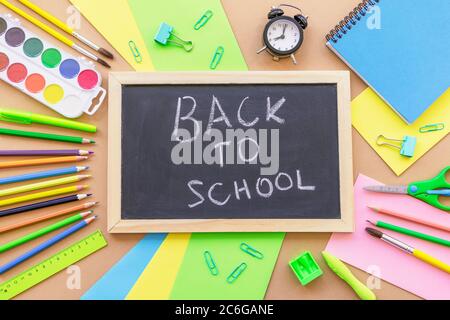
{"x": 388, "y": 189}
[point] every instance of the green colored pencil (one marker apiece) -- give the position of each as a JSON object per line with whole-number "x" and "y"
{"x": 411, "y": 233}
{"x": 45, "y": 136}
{"x": 44, "y": 231}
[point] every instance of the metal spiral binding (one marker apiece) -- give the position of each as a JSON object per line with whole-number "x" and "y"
{"x": 350, "y": 20}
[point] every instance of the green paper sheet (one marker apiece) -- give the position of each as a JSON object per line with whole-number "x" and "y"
{"x": 195, "y": 282}
{"x": 182, "y": 16}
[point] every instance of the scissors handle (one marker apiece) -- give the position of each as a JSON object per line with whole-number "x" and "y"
{"x": 420, "y": 189}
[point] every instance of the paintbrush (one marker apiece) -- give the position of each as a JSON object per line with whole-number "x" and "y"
{"x": 63, "y": 26}
{"x": 54, "y": 33}
{"x": 408, "y": 249}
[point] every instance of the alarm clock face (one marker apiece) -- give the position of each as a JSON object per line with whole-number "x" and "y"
{"x": 283, "y": 35}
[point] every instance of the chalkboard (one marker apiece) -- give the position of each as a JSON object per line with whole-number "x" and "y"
{"x": 230, "y": 152}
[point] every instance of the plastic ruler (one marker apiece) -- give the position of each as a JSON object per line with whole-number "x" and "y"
{"x": 49, "y": 267}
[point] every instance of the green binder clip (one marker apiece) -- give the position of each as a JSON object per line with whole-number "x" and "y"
{"x": 166, "y": 35}
{"x": 305, "y": 268}
{"x": 406, "y": 147}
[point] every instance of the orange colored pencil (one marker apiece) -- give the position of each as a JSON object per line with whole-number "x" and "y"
{"x": 42, "y": 161}
{"x": 403, "y": 216}
{"x": 49, "y": 216}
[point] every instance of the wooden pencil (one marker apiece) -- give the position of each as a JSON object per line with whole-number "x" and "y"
{"x": 44, "y": 204}
{"x": 41, "y": 161}
{"x": 43, "y": 185}
{"x": 54, "y": 153}
{"x": 46, "y": 244}
{"x": 41, "y": 195}
{"x": 49, "y": 216}
{"x": 410, "y": 218}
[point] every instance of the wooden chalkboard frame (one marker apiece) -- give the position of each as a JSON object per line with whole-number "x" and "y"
{"x": 118, "y": 225}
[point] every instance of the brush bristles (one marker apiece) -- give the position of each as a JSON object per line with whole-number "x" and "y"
{"x": 374, "y": 232}
{"x": 103, "y": 63}
{"x": 106, "y": 53}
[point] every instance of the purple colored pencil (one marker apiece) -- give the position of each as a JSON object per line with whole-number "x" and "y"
{"x": 45, "y": 153}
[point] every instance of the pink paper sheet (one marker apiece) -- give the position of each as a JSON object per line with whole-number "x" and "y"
{"x": 399, "y": 268}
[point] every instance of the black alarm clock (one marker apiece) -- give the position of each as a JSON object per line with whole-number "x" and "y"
{"x": 283, "y": 35}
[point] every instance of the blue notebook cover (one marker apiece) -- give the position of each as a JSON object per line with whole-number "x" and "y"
{"x": 400, "y": 48}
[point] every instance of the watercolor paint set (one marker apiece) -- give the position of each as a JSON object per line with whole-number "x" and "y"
{"x": 66, "y": 84}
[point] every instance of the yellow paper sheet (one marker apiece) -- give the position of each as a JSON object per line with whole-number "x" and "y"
{"x": 114, "y": 20}
{"x": 157, "y": 280}
{"x": 371, "y": 116}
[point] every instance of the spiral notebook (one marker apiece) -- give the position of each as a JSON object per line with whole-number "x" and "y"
{"x": 400, "y": 48}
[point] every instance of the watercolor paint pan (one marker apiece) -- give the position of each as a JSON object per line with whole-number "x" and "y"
{"x": 66, "y": 84}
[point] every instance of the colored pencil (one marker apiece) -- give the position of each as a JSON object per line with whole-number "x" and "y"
{"x": 43, "y": 185}
{"x": 44, "y": 204}
{"x": 42, "y": 174}
{"x": 45, "y": 136}
{"x": 41, "y": 161}
{"x": 410, "y": 218}
{"x": 63, "y": 26}
{"x": 42, "y": 232}
{"x": 46, "y": 244}
{"x": 53, "y": 32}
{"x": 409, "y": 249}
{"x": 49, "y": 216}
{"x": 410, "y": 232}
{"x": 40, "y": 195}
{"x": 15, "y": 153}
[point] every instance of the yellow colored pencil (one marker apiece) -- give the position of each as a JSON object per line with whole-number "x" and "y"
{"x": 40, "y": 195}
{"x": 53, "y": 32}
{"x": 42, "y": 185}
{"x": 63, "y": 26}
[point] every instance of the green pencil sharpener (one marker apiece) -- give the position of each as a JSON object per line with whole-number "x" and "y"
{"x": 305, "y": 268}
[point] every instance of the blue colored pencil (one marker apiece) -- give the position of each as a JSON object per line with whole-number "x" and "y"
{"x": 45, "y": 245}
{"x": 42, "y": 174}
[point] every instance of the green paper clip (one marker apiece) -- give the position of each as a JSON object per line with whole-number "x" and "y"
{"x": 432, "y": 127}
{"x": 135, "y": 51}
{"x": 217, "y": 57}
{"x": 203, "y": 20}
{"x": 210, "y": 263}
{"x": 251, "y": 251}
{"x": 236, "y": 272}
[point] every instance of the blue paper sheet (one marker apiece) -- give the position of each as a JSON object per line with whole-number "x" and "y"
{"x": 118, "y": 281}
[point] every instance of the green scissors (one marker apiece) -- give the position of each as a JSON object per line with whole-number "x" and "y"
{"x": 428, "y": 191}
